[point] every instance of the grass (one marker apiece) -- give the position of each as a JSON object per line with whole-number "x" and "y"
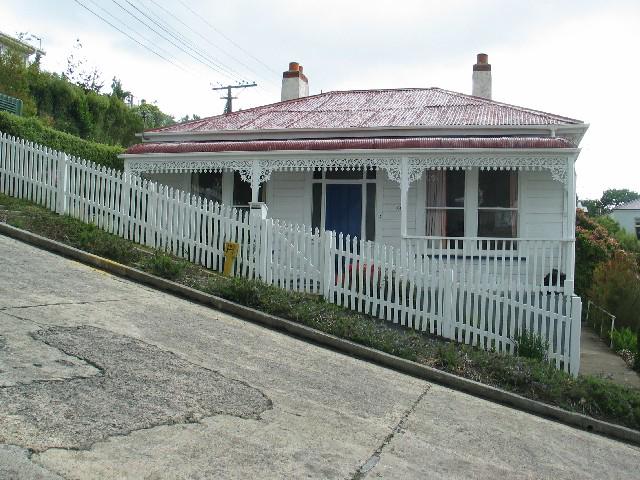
{"x": 526, "y": 374}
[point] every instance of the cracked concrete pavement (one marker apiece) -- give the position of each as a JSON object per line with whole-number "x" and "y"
{"x": 331, "y": 416}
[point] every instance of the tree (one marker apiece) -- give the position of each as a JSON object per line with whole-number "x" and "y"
{"x": 153, "y": 116}
{"x": 117, "y": 90}
{"x": 187, "y": 119}
{"x": 613, "y": 198}
{"x": 90, "y": 80}
{"x": 594, "y": 207}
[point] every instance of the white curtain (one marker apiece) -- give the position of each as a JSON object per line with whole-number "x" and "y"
{"x": 436, "y": 197}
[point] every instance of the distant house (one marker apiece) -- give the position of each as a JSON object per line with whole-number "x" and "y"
{"x": 409, "y": 166}
{"x": 8, "y": 42}
{"x": 628, "y": 216}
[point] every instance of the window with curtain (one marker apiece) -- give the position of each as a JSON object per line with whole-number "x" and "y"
{"x": 498, "y": 204}
{"x": 207, "y": 185}
{"x": 445, "y": 203}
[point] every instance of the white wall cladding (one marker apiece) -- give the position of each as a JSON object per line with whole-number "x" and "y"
{"x": 181, "y": 181}
{"x": 389, "y": 217}
{"x": 289, "y": 197}
{"x": 542, "y": 206}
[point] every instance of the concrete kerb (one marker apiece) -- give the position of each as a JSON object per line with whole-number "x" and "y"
{"x": 408, "y": 367}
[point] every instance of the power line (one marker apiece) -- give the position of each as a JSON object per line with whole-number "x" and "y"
{"x": 177, "y": 18}
{"x": 181, "y": 38}
{"x": 127, "y": 35}
{"x": 137, "y": 34}
{"x": 201, "y": 17}
{"x": 169, "y": 40}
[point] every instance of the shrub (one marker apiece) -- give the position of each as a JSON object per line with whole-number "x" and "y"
{"x": 531, "y": 345}
{"x": 32, "y": 129}
{"x": 92, "y": 239}
{"x": 594, "y": 245}
{"x": 165, "y": 266}
{"x": 624, "y": 339}
{"x": 616, "y": 287}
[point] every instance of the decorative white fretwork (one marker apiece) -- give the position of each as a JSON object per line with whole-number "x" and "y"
{"x": 555, "y": 163}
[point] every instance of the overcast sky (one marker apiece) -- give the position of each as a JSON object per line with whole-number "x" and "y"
{"x": 573, "y": 58}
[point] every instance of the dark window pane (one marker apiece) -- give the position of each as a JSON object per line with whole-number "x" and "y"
{"x": 316, "y": 207}
{"x": 344, "y": 174}
{"x": 317, "y": 174}
{"x": 455, "y": 188}
{"x": 207, "y": 185}
{"x": 370, "y": 221}
{"x": 445, "y": 223}
{"x": 445, "y": 188}
{"x": 371, "y": 174}
{"x": 497, "y": 223}
{"x": 242, "y": 191}
{"x": 498, "y": 189}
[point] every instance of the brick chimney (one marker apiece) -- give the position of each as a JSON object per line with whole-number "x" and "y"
{"x": 482, "y": 77}
{"x": 294, "y": 83}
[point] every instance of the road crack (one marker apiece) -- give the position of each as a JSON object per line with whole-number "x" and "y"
{"x": 61, "y": 303}
{"x": 373, "y": 460}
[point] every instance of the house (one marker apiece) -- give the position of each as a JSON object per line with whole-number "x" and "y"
{"x": 628, "y": 216}
{"x": 9, "y": 43}
{"x": 416, "y": 168}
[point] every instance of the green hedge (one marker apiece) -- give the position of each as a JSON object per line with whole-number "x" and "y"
{"x": 33, "y": 130}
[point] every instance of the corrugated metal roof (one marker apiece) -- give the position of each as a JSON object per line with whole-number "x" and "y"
{"x": 419, "y": 107}
{"x": 351, "y": 143}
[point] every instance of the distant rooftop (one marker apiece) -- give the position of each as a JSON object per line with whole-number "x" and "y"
{"x": 633, "y": 205}
{"x": 408, "y": 107}
{"x": 19, "y": 45}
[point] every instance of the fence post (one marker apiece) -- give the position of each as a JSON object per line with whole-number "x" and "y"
{"x": 327, "y": 239}
{"x": 257, "y": 219}
{"x": 61, "y": 183}
{"x": 448, "y": 285}
{"x": 574, "y": 341}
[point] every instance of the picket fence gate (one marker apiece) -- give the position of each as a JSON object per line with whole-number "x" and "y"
{"x": 429, "y": 290}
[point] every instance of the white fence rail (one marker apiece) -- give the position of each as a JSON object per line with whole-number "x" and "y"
{"x": 483, "y": 292}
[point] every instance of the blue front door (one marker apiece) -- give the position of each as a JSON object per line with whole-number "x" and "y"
{"x": 343, "y": 211}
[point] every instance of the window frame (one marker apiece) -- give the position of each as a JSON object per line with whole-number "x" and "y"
{"x": 471, "y": 209}
{"x": 445, "y": 208}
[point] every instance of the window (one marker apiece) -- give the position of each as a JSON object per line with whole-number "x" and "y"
{"x": 242, "y": 192}
{"x": 207, "y": 185}
{"x": 498, "y": 204}
{"x": 445, "y": 203}
{"x": 637, "y": 228}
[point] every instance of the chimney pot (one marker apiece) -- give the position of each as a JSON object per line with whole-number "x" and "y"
{"x": 481, "y": 79}
{"x": 294, "y": 66}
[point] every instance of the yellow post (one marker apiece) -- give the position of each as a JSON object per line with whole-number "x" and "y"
{"x": 230, "y": 254}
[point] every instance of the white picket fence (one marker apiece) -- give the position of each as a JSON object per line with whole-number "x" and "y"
{"x": 480, "y": 294}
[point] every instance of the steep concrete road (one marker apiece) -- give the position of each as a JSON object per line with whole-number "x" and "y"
{"x": 104, "y": 378}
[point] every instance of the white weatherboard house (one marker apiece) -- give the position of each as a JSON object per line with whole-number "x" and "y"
{"x": 399, "y": 166}
{"x": 628, "y": 216}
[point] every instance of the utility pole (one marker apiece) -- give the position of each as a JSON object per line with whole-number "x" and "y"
{"x": 229, "y": 98}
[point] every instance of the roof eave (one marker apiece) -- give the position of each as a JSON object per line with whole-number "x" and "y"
{"x": 298, "y": 133}
{"x": 397, "y": 152}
